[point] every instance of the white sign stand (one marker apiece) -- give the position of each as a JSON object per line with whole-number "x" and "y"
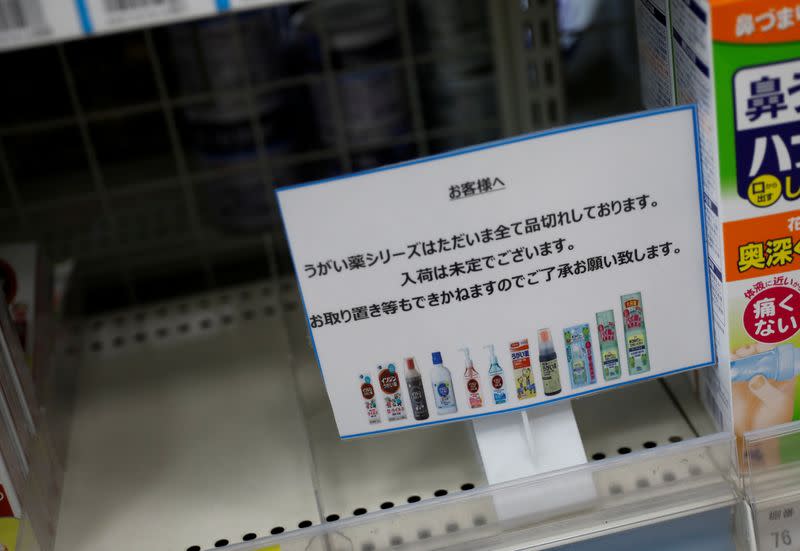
{"x": 528, "y": 443}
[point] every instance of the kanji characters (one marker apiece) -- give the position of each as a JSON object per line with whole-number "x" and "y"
{"x": 796, "y": 88}
{"x": 779, "y": 251}
{"x": 484, "y": 185}
{"x": 356, "y": 261}
{"x": 765, "y": 97}
{"x": 751, "y": 255}
{"x": 764, "y": 308}
{"x": 784, "y": 18}
{"x": 360, "y": 313}
{"x": 745, "y": 26}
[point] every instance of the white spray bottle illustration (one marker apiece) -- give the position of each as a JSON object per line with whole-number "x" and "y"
{"x": 442, "y": 383}
{"x": 472, "y": 380}
{"x": 496, "y": 377}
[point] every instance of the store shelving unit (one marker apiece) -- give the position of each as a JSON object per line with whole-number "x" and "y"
{"x": 208, "y": 415}
{"x": 201, "y": 421}
{"x": 123, "y": 149}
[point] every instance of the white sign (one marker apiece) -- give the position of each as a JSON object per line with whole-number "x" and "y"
{"x": 506, "y": 275}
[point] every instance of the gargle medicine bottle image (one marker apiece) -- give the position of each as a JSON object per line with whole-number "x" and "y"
{"x": 496, "y": 377}
{"x": 442, "y": 384}
{"x": 416, "y": 391}
{"x": 609, "y": 348}
{"x": 635, "y": 334}
{"x": 472, "y": 380}
{"x": 577, "y": 365}
{"x": 389, "y": 381}
{"x": 370, "y": 401}
{"x": 548, "y": 361}
{"x": 580, "y": 360}
{"x": 523, "y": 374}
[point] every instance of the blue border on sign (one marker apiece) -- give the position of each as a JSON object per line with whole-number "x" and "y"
{"x": 83, "y": 15}
{"x": 223, "y": 5}
{"x": 517, "y": 139}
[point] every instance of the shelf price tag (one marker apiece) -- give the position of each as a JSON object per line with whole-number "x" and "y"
{"x": 506, "y": 275}
{"x": 107, "y": 15}
{"x": 26, "y": 23}
{"x": 778, "y": 527}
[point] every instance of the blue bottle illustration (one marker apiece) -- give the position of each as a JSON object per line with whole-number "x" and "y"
{"x": 778, "y": 364}
{"x": 496, "y": 377}
{"x": 771, "y": 377}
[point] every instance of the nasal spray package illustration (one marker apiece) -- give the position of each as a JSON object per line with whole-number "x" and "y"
{"x": 739, "y": 61}
{"x": 578, "y": 341}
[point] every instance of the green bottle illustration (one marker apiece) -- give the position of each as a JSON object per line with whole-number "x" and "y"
{"x": 635, "y": 334}
{"x": 609, "y": 348}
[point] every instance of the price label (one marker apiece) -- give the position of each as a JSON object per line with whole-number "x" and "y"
{"x": 778, "y": 527}
{"x": 31, "y": 22}
{"x": 102, "y": 15}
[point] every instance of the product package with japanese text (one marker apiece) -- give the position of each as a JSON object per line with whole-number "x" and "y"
{"x": 739, "y": 61}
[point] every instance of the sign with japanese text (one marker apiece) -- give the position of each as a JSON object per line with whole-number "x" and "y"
{"x": 481, "y": 281}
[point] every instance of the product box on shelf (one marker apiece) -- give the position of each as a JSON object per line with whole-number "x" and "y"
{"x": 30, "y": 475}
{"x": 9, "y": 533}
{"x": 655, "y": 53}
{"x": 739, "y": 62}
{"x": 27, "y": 281}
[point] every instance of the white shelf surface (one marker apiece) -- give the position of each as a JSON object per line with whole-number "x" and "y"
{"x": 186, "y": 440}
{"x": 197, "y": 433}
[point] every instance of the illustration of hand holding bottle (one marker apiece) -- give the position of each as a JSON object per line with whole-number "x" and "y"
{"x": 764, "y": 380}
